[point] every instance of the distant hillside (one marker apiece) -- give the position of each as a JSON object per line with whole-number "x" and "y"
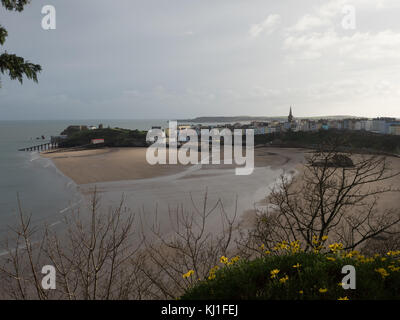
{"x": 250, "y": 118}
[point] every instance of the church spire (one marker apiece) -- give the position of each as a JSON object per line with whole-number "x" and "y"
{"x": 290, "y": 118}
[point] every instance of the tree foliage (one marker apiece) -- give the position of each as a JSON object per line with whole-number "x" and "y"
{"x": 16, "y": 67}
{"x": 14, "y": 5}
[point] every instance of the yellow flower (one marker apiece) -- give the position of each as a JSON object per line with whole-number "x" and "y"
{"x": 295, "y": 246}
{"x": 212, "y": 273}
{"x": 284, "y": 279}
{"x": 262, "y": 246}
{"x": 344, "y": 298}
{"x": 211, "y": 276}
{"x": 215, "y": 268}
{"x": 361, "y": 258}
{"x": 295, "y": 243}
{"x": 317, "y": 249}
{"x": 335, "y": 247}
{"x": 330, "y": 258}
{"x": 281, "y": 246}
{"x": 324, "y": 238}
{"x": 340, "y": 284}
{"x": 233, "y": 260}
{"x": 301, "y": 291}
{"x": 352, "y": 253}
{"x": 382, "y": 272}
{"x": 393, "y": 268}
{"x": 298, "y": 265}
{"x": 323, "y": 290}
{"x": 188, "y": 274}
{"x": 267, "y": 252}
{"x": 274, "y": 273}
{"x": 224, "y": 260}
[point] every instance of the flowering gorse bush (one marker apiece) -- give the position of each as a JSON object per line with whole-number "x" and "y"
{"x": 297, "y": 275}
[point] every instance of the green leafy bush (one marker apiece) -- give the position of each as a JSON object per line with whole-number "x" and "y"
{"x": 302, "y": 276}
{"x": 112, "y": 138}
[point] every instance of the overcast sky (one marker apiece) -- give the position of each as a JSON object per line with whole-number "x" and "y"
{"x": 170, "y": 59}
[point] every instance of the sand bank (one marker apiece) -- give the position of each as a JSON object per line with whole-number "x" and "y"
{"x": 117, "y": 164}
{"x": 158, "y": 191}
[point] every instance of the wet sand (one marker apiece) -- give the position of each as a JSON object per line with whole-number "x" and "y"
{"x": 157, "y": 191}
{"x": 117, "y": 164}
{"x": 387, "y": 202}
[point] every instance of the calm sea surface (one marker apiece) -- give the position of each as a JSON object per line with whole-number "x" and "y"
{"x": 43, "y": 191}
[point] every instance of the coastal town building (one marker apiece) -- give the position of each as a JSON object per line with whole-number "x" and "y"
{"x": 290, "y": 117}
{"x": 377, "y": 125}
{"x": 394, "y": 129}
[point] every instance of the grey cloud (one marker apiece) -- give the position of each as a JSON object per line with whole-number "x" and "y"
{"x": 175, "y": 59}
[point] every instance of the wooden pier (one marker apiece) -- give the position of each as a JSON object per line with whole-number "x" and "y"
{"x": 41, "y": 147}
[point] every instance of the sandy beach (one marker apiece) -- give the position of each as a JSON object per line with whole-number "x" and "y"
{"x": 117, "y": 164}
{"x": 102, "y": 165}
{"x": 156, "y": 191}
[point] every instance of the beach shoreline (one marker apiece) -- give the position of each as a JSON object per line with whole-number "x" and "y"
{"x": 154, "y": 191}
{"x": 129, "y": 164}
{"x": 154, "y": 194}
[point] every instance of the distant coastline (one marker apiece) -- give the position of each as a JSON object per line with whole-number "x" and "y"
{"x": 224, "y": 119}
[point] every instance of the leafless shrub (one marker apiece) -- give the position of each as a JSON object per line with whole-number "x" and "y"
{"x": 20, "y": 269}
{"x": 328, "y": 199}
{"x": 382, "y": 244}
{"x": 91, "y": 257}
{"x": 190, "y": 246}
{"x": 99, "y": 256}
